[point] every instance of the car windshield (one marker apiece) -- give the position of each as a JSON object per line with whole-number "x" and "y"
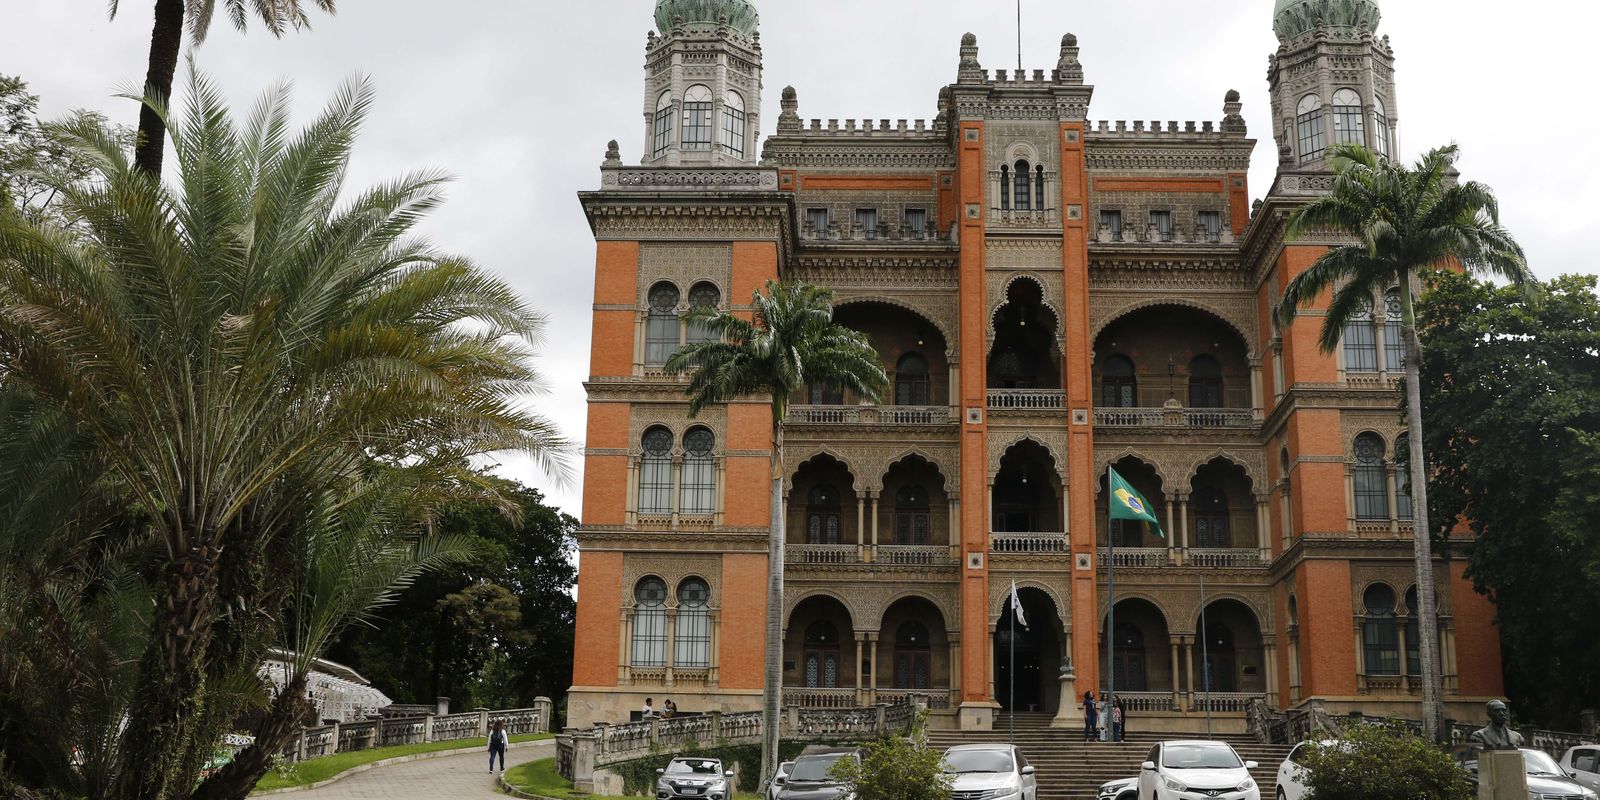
{"x": 694, "y": 766}
{"x": 1540, "y": 763}
{"x": 813, "y": 768}
{"x": 962, "y": 761}
{"x": 1199, "y": 756}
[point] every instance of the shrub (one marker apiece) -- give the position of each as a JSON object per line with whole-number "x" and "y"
{"x": 1378, "y": 762}
{"x": 895, "y": 769}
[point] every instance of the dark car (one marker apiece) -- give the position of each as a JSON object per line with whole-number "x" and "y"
{"x": 693, "y": 778}
{"x": 811, "y": 776}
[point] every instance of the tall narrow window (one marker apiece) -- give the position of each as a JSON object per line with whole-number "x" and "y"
{"x": 692, "y": 638}
{"x": 733, "y": 126}
{"x": 913, "y": 656}
{"x": 867, "y": 222}
{"x": 704, "y": 295}
{"x": 911, "y": 383}
{"x": 916, "y": 222}
{"x": 1413, "y": 643}
{"x": 1222, "y": 672}
{"x": 1380, "y": 128}
{"x": 1211, "y": 518}
{"x": 697, "y": 118}
{"x": 819, "y": 394}
{"x": 1308, "y": 125}
{"x": 822, "y": 515}
{"x": 1402, "y": 478}
{"x": 911, "y": 518}
{"x": 1113, "y": 221}
{"x": 662, "y": 135}
{"x": 649, "y": 623}
{"x": 1360, "y": 342}
{"x": 817, "y": 218}
{"x": 1005, "y": 187}
{"x": 1038, "y": 188}
{"x": 1162, "y": 220}
{"x": 1128, "y": 660}
{"x": 698, "y": 487}
{"x": 822, "y": 655}
{"x": 661, "y": 328}
{"x": 1371, "y": 480}
{"x": 1211, "y": 225}
{"x": 1380, "y": 632}
{"x": 1394, "y": 343}
{"x": 655, "y": 472}
{"x": 1119, "y": 387}
{"x": 1347, "y": 116}
{"x": 1205, "y": 383}
{"x": 1022, "y": 197}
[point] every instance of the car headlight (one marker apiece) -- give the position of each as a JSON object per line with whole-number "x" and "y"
{"x": 1174, "y": 785}
{"x": 1589, "y": 794}
{"x": 1246, "y": 784}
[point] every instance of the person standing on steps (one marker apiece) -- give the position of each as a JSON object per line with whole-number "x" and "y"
{"x": 1091, "y": 718}
{"x": 1117, "y": 721}
{"x": 497, "y": 745}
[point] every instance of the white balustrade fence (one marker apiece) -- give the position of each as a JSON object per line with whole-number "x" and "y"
{"x": 324, "y": 740}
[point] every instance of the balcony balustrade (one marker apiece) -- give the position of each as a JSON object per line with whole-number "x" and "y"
{"x": 1223, "y": 557}
{"x": 1026, "y": 399}
{"x": 913, "y": 554}
{"x": 1215, "y": 557}
{"x": 1028, "y": 542}
{"x": 897, "y": 555}
{"x": 871, "y": 415}
{"x": 1137, "y": 556}
{"x": 1174, "y": 418}
{"x": 796, "y": 554}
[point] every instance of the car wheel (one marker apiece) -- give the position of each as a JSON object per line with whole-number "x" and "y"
{"x": 1282, "y": 795}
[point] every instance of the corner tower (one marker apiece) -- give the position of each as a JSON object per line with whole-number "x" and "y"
{"x": 1332, "y": 81}
{"x": 702, "y": 99}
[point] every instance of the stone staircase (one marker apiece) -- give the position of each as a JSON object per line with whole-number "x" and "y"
{"x": 1069, "y": 768}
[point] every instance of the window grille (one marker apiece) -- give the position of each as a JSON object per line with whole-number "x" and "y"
{"x": 917, "y": 222}
{"x": 1163, "y": 222}
{"x": 661, "y": 328}
{"x": 867, "y": 222}
{"x": 1022, "y": 197}
{"x": 1360, "y": 342}
{"x": 911, "y": 382}
{"x": 1347, "y": 116}
{"x": 733, "y": 125}
{"x": 1380, "y": 632}
{"x": 1112, "y": 220}
{"x": 655, "y": 472}
{"x": 1394, "y": 343}
{"x": 692, "y": 638}
{"x": 698, "y": 492}
{"x": 650, "y": 623}
{"x": 1211, "y": 223}
{"x": 1371, "y": 479}
{"x": 1308, "y": 123}
{"x": 697, "y": 118}
{"x": 703, "y": 295}
{"x": 818, "y": 219}
{"x": 1118, "y": 385}
{"x": 663, "y": 126}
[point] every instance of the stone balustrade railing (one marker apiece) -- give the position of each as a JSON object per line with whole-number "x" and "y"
{"x": 1271, "y": 726}
{"x": 1174, "y": 417}
{"x": 1224, "y": 702}
{"x": 1223, "y": 557}
{"x": 1026, "y": 399}
{"x": 916, "y": 555}
{"x": 325, "y": 740}
{"x": 1136, "y": 702}
{"x": 900, "y": 555}
{"x": 1027, "y": 542}
{"x": 797, "y": 554}
{"x": 1136, "y": 556}
{"x": 870, "y": 415}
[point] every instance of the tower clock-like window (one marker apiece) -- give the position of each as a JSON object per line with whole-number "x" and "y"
{"x": 663, "y": 130}
{"x": 1380, "y": 128}
{"x": 1308, "y": 126}
{"x": 733, "y": 127}
{"x": 697, "y": 118}
{"x": 1347, "y": 115}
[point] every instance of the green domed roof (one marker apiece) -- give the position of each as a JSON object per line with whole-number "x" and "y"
{"x": 741, "y": 14}
{"x": 1291, "y": 18}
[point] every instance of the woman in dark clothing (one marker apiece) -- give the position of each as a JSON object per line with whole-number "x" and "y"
{"x": 1091, "y": 718}
{"x": 497, "y": 745}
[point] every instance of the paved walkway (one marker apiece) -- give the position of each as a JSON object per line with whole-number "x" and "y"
{"x": 443, "y": 778}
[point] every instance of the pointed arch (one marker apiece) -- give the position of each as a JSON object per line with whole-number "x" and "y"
{"x": 1108, "y": 458}
{"x": 1239, "y": 319}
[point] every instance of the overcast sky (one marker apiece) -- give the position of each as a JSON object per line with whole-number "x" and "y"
{"x": 517, "y": 98}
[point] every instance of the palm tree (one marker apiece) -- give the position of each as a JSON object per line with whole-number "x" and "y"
{"x": 791, "y": 341}
{"x": 229, "y": 349}
{"x": 166, "y": 39}
{"x": 1405, "y": 221}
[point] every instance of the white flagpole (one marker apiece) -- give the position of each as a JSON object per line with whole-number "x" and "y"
{"x": 1111, "y": 605}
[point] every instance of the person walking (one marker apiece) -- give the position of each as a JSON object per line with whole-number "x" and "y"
{"x": 1091, "y": 718}
{"x": 497, "y": 745}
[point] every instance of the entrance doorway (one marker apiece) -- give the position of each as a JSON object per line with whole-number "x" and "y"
{"x": 1036, "y": 661}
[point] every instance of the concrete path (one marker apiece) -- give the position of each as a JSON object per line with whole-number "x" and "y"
{"x": 465, "y": 775}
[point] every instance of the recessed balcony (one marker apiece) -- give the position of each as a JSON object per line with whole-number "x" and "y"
{"x": 897, "y": 416}
{"x": 1175, "y": 417}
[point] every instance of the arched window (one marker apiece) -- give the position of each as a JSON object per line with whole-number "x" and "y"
{"x": 1038, "y": 187}
{"x": 698, "y": 487}
{"x": 822, "y": 655}
{"x": 1211, "y": 518}
{"x": 1205, "y": 383}
{"x": 661, "y": 327}
{"x": 1294, "y": 612}
{"x": 911, "y": 517}
{"x": 662, "y": 134}
{"x": 697, "y": 118}
{"x": 1128, "y": 660}
{"x": 655, "y": 472}
{"x": 913, "y": 656}
{"x": 1119, "y": 387}
{"x": 703, "y": 295}
{"x": 733, "y": 127}
{"x": 1380, "y": 128}
{"x": 1371, "y": 480}
{"x": 692, "y": 639}
{"x": 1284, "y": 468}
{"x": 822, "y": 515}
{"x": 1022, "y": 197}
{"x": 1380, "y": 634}
{"x": 1402, "y": 478}
{"x": 1015, "y": 368}
{"x": 1005, "y": 187}
{"x": 1308, "y": 126}
{"x": 1221, "y": 664}
{"x": 1394, "y": 342}
{"x": 1413, "y": 651}
{"x": 823, "y": 395}
{"x": 1347, "y": 116}
{"x": 911, "y": 381}
{"x": 1360, "y": 341}
{"x": 650, "y": 623}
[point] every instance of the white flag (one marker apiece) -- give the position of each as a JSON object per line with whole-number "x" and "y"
{"x": 1016, "y": 606}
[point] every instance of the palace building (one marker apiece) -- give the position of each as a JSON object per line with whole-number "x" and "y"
{"x": 1050, "y": 295}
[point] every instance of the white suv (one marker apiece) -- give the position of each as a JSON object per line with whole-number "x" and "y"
{"x": 989, "y": 772}
{"x": 1196, "y": 770}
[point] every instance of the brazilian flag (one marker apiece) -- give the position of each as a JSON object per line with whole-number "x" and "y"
{"x": 1127, "y": 503}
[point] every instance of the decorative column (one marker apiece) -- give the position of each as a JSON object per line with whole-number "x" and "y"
{"x": 713, "y": 670}
{"x": 1188, "y": 661}
{"x": 672, "y": 640}
{"x": 1394, "y": 496}
{"x": 1258, "y": 409}
{"x": 1405, "y": 674}
{"x": 632, "y": 492}
{"x": 955, "y": 664}
{"x": 1172, "y": 545}
{"x": 861, "y": 652}
{"x": 1269, "y": 655}
{"x": 861, "y": 520}
{"x": 624, "y": 644}
{"x": 1183, "y": 526}
{"x": 874, "y": 496}
{"x": 677, "y": 485}
{"x": 872, "y": 663}
{"x": 1176, "y": 677}
{"x": 1263, "y": 529}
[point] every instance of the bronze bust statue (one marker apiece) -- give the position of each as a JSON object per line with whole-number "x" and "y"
{"x": 1497, "y": 735}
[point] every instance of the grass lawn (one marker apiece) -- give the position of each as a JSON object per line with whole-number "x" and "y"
{"x": 320, "y": 769}
{"x": 540, "y": 778}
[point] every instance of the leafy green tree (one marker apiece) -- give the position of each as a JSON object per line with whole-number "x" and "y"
{"x": 1378, "y": 762}
{"x": 1405, "y": 220}
{"x": 895, "y": 769}
{"x": 791, "y": 341}
{"x": 237, "y": 360}
{"x": 33, "y": 157}
{"x": 1512, "y": 396}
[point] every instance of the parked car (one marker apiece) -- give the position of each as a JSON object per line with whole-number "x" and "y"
{"x": 778, "y": 779}
{"x": 693, "y": 777}
{"x": 1178, "y": 768}
{"x": 1546, "y": 778}
{"x": 1292, "y": 772}
{"x": 989, "y": 772}
{"x": 1119, "y": 789}
{"x": 1583, "y": 764}
{"x": 810, "y": 778}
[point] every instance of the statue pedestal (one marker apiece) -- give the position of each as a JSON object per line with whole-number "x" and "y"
{"x": 1070, "y": 714}
{"x": 1501, "y": 775}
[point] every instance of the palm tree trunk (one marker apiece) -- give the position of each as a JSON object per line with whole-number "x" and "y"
{"x": 1428, "y": 622}
{"x": 165, "y": 42}
{"x": 236, "y": 780}
{"x": 772, "y": 689}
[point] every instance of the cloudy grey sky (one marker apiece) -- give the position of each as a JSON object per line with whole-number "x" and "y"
{"x": 518, "y": 97}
